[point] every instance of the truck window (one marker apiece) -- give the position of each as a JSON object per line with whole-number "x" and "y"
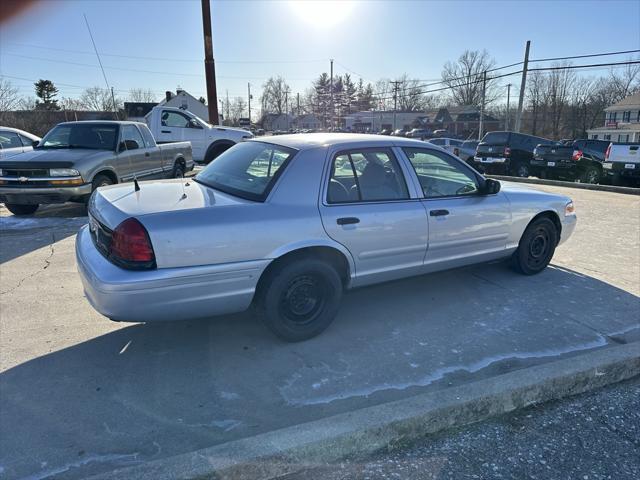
{"x": 10, "y": 140}
{"x": 496, "y": 138}
{"x": 148, "y": 138}
{"x": 174, "y": 119}
{"x": 130, "y": 132}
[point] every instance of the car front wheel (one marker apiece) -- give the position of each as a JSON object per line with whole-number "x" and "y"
{"x": 536, "y": 248}
{"x": 300, "y": 299}
{"x": 21, "y": 209}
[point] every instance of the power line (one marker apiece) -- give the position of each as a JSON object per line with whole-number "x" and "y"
{"x": 571, "y": 67}
{"x": 163, "y": 59}
{"x": 585, "y": 56}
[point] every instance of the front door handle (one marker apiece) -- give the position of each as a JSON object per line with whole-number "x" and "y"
{"x": 438, "y": 213}
{"x": 347, "y": 220}
{"x": 165, "y": 131}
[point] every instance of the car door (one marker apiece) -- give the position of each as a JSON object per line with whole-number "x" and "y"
{"x": 179, "y": 127}
{"x": 133, "y": 158}
{"x": 368, "y": 207}
{"x": 464, "y": 225}
{"x": 10, "y": 144}
{"x": 159, "y": 163}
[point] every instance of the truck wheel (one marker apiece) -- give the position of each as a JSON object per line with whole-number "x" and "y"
{"x": 301, "y": 299}
{"x": 100, "y": 180}
{"x": 521, "y": 170}
{"x": 178, "y": 170}
{"x": 536, "y": 247}
{"x": 590, "y": 175}
{"x": 21, "y": 209}
{"x": 213, "y": 152}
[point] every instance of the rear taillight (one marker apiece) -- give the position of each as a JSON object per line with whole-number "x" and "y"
{"x": 131, "y": 246}
{"x": 606, "y": 155}
{"x": 507, "y": 151}
{"x": 577, "y": 155}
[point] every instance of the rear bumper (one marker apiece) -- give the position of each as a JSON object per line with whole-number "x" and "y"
{"x": 614, "y": 169}
{"x": 165, "y": 293}
{"x": 43, "y": 195}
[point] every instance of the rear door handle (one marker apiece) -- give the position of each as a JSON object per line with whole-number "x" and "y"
{"x": 438, "y": 213}
{"x": 165, "y": 131}
{"x": 347, "y": 220}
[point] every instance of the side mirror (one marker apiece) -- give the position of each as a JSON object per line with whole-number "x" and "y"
{"x": 193, "y": 123}
{"x": 128, "y": 145}
{"x": 35, "y": 143}
{"x": 490, "y": 187}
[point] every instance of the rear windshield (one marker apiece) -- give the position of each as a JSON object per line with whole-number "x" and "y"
{"x": 247, "y": 170}
{"x": 93, "y": 136}
{"x": 496, "y": 138}
{"x": 469, "y": 144}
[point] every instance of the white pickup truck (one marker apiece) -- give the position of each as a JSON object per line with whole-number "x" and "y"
{"x": 622, "y": 163}
{"x": 169, "y": 124}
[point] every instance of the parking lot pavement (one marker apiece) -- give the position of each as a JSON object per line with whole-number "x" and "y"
{"x": 595, "y": 436}
{"x": 81, "y": 394}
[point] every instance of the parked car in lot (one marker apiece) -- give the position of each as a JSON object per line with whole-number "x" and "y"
{"x": 399, "y": 132}
{"x": 508, "y": 153}
{"x": 622, "y": 163}
{"x": 14, "y": 141}
{"x": 579, "y": 160}
{"x": 385, "y": 131}
{"x": 419, "y": 133}
{"x": 467, "y": 150}
{"x": 75, "y": 158}
{"x": 450, "y": 144}
{"x": 288, "y": 223}
{"x": 170, "y": 124}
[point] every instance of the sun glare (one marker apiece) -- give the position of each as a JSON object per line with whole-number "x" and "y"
{"x": 322, "y": 13}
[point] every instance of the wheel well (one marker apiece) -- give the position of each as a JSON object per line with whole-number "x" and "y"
{"x": 181, "y": 161}
{"x": 553, "y": 216}
{"x": 216, "y": 148}
{"x": 328, "y": 254}
{"x": 107, "y": 173}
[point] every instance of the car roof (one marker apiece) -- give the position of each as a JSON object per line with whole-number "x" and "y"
{"x": 104, "y": 122}
{"x": 305, "y": 141}
{"x": 22, "y": 132}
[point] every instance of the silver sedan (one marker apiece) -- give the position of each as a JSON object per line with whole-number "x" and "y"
{"x": 288, "y": 223}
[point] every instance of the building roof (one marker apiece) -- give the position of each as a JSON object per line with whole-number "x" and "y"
{"x": 628, "y": 103}
{"x": 622, "y": 127}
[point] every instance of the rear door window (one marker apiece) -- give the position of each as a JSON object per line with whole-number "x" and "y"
{"x": 367, "y": 175}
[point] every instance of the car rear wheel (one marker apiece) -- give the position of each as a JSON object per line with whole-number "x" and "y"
{"x": 300, "y": 299}
{"x": 590, "y": 175}
{"x": 521, "y": 170}
{"x": 536, "y": 248}
{"x": 21, "y": 209}
{"x": 178, "y": 170}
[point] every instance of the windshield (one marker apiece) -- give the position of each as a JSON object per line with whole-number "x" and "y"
{"x": 496, "y": 138}
{"x": 247, "y": 170}
{"x": 93, "y": 136}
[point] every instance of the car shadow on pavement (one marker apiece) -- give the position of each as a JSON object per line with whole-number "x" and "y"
{"x": 147, "y": 391}
{"x": 20, "y": 235}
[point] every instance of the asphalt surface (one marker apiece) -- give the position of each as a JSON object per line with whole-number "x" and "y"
{"x": 81, "y": 394}
{"x": 590, "y": 437}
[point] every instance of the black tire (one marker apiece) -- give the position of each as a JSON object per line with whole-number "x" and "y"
{"x": 101, "y": 180}
{"x": 536, "y": 247}
{"x": 21, "y": 209}
{"x": 521, "y": 170}
{"x": 213, "y": 152}
{"x": 590, "y": 175}
{"x": 300, "y": 299}
{"x": 178, "y": 170}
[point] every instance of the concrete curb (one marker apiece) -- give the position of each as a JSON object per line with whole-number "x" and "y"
{"x": 559, "y": 183}
{"x": 362, "y": 432}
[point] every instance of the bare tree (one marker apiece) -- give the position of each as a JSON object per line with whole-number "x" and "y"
{"x": 142, "y": 95}
{"x": 9, "y": 98}
{"x": 464, "y": 78}
{"x": 68, "y": 103}
{"x": 237, "y": 109}
{"x": 274, "y": 92}
{"x": 97, "y": 98}
{"x": 624, "y": 82}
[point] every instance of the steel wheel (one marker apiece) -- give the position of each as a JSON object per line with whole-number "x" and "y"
{"x": 303, "y": 298}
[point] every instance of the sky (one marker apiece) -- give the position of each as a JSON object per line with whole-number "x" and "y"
{"x": 254, "y": 40}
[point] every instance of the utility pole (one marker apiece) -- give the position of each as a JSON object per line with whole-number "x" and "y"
{"x": 209, "y": 65}
{"x": 523, "y": 84}
{"x": 228, "y": 105}
{"x": 286, "y": 106}
{"x": 249, "y": 101}
{"x": 484, "y": 89}
{"x": 395, "y": 101}
{"x": 506, "y": 127}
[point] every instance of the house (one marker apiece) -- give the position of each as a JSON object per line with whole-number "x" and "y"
{"x": 277, "y": 121}
{"x": 621, "y": 122}
{"x": 185, "y": 101}
{"x": 377, "y": 120}
{"x": 308, "y": 121}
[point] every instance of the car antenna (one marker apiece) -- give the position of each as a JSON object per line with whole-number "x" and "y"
{"x": 136, "y": 185}
{"x": 184, "y": 194}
